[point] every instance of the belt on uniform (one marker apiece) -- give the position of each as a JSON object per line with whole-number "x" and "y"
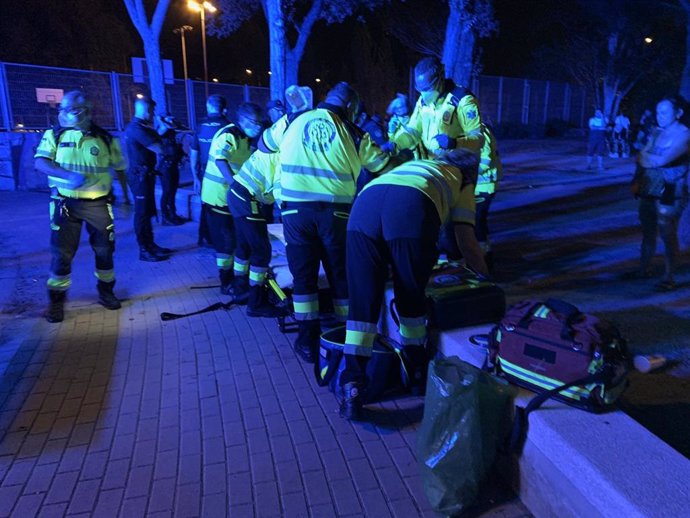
{"x": 315, "y": 205}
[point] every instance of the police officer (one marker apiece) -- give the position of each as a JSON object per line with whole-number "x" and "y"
{"x": 198, "y": 157}
{"x": 143, "y": 144}
{"x": 447, "y": 116}
{"x": 230, "y": 148}
{"x": 77, "y": 155}
{"x": 251, "y": 199}
{"x": 169, "y": 170}
{"x": 321, "y": 154}
{"x": 395, "y": 222}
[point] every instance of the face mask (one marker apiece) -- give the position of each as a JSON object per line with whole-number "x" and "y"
{"x": 429, "y": 96}
{"x": 251, "y": 129}
{"x": 71, "y": 118}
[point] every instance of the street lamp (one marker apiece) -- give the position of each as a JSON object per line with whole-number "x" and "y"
{"x": 201, "y": 8}
{"x": 181, "y": 31}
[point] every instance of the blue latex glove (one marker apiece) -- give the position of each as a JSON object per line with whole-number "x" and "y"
{"x": 444, "y": 141}
{"x": 388, "y": 147}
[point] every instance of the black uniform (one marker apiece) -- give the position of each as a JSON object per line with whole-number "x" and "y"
{"x": 141, "y": 177}
{"x": 169, "y": 169}
{"x": 202, "y": 143}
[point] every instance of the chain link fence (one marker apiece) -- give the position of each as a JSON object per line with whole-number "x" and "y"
{"x": 505, "y": 102}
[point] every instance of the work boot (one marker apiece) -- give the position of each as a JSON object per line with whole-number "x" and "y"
{"x": 226, "y": 282}
{"x": 352, "y": 395}
{"x": 259, "y": 306}
{"x": 307, "y": 342}
{"x": 55, "y": 312}
{"x": 416, "y": 361}
{"x": 159, "y": 250}
{"x": 106, "y": 297}
{"x": 240, "y": 289}
{"x": 147, "y": 254}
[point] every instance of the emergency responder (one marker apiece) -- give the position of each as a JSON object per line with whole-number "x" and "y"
{"x": 143, "y": 143}
{"x": 275, "y": 110}
{"x": 371, "y": 125}
{"x": 395, "y": 222}
{"x": 251, "y": 199}
{"x": 447, "y": 116}
{"x": 169, "y": 170}
{"x": 77, "y": 155}
{"x": 198, "y": 157}
{"x": 230, "y": 148}
{"x": 321, "y": 155}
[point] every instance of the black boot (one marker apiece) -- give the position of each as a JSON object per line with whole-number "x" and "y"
{"x": 352, "y": 394}
{"x": 259, "y": 306}
{"x": 240, "y": 289}
{"x": 149, "y": 255}
{"x": 106, "y": 297}
{"x": 159, "y": 250}
{"x": 307, "y": 342}
{"x": 55, "y": 312}
{"x": 226, "y": 279}
{"x": 416, "y": 363}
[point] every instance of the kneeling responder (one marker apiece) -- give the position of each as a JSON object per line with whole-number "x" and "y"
{"x": 321, "y": 155}
{"x": 396, "y": 221}
{"x": 230, "y": 148}
{"x": 77, "y": 156}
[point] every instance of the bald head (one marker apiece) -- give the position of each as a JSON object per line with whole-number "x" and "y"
{"x": 346, "y": 97}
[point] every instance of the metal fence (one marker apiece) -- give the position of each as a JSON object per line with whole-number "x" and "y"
{"x": 503, "y": 100}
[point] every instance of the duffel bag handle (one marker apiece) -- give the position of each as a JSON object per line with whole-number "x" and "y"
{"x": 561, "y": 307}
{"x": 325, "y": 375}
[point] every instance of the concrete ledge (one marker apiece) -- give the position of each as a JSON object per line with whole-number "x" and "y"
{"x": 577, "y": 464}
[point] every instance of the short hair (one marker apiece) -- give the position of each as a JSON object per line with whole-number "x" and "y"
{"x": 217, "y": 102}
{"x": 677, "y": 101}
{"x": 76, "y": 98}
{"x": 344, "y": 94}
{"x": 430, "y": 71}
{"x": 465, "y": 160}
{"x": 249, "y": 111}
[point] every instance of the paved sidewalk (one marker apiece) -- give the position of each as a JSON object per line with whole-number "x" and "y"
{"x": 116, "y": 413}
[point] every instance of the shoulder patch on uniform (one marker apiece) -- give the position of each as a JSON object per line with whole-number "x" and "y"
{"x": 94, "y": 150}
{"x": 472, "y": 114}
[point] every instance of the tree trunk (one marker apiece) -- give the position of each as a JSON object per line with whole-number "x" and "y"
{"x": 685, "y": 79}
{"x": 464, "y": 65}
{"x": 155, "y": 67}
{"x": 278, "y": 43}
{"x": 453, "y": 39}
{"x": 292, "y": 67}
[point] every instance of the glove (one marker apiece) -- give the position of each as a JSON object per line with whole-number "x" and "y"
{"x": 393, "y": 125}
{"x": 444, "y": 141}
{"x": 388, "y": 147}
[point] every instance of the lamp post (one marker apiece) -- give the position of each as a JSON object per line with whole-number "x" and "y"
{"x": 201, "y": 8}
{"x": 181, "y": 31}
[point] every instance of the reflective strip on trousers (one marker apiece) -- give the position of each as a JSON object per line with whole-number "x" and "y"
{"x": 257, "y": 275}
{"x": 341, "y": 307}
{"x": 59, "y": 282}
{"x": 412, "y": 330}
{"x": 359, "y": 338}
{"x": 306, "y": 306}
{"x": 241, "y": 266}
{"x": 105, "y": 275}
{"x": 224, "y": 261}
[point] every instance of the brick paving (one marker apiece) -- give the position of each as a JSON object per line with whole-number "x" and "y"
{"x": 116, "y": 413}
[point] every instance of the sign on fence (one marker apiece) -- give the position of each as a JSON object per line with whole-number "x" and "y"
{"x": 140, "y": 72}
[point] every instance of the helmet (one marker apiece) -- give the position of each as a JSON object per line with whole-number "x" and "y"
{"x": 428, "y": 74}
{"x": 299, "y": 97}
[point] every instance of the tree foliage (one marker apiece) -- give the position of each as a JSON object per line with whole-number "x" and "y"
{"x": 290, "y": 25}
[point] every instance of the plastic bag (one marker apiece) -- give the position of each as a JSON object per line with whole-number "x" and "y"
{"x": 467, "y": 416}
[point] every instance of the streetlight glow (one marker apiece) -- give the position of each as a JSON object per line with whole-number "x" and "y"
{"x": 317, "y": 80}
{"x": 248, "y": 71}
{"x": 201, "y": 9}
{"x": 648, "y": 40}
{"x": 215, "y": 79}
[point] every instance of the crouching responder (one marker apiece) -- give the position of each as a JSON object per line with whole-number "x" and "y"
{"x": 251, "y": 199}
{"x": 230, "y": 148}
{"x": 77, "y": 155}
{"x": 395, "y": 222}
{"x": 321, "y": 155}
